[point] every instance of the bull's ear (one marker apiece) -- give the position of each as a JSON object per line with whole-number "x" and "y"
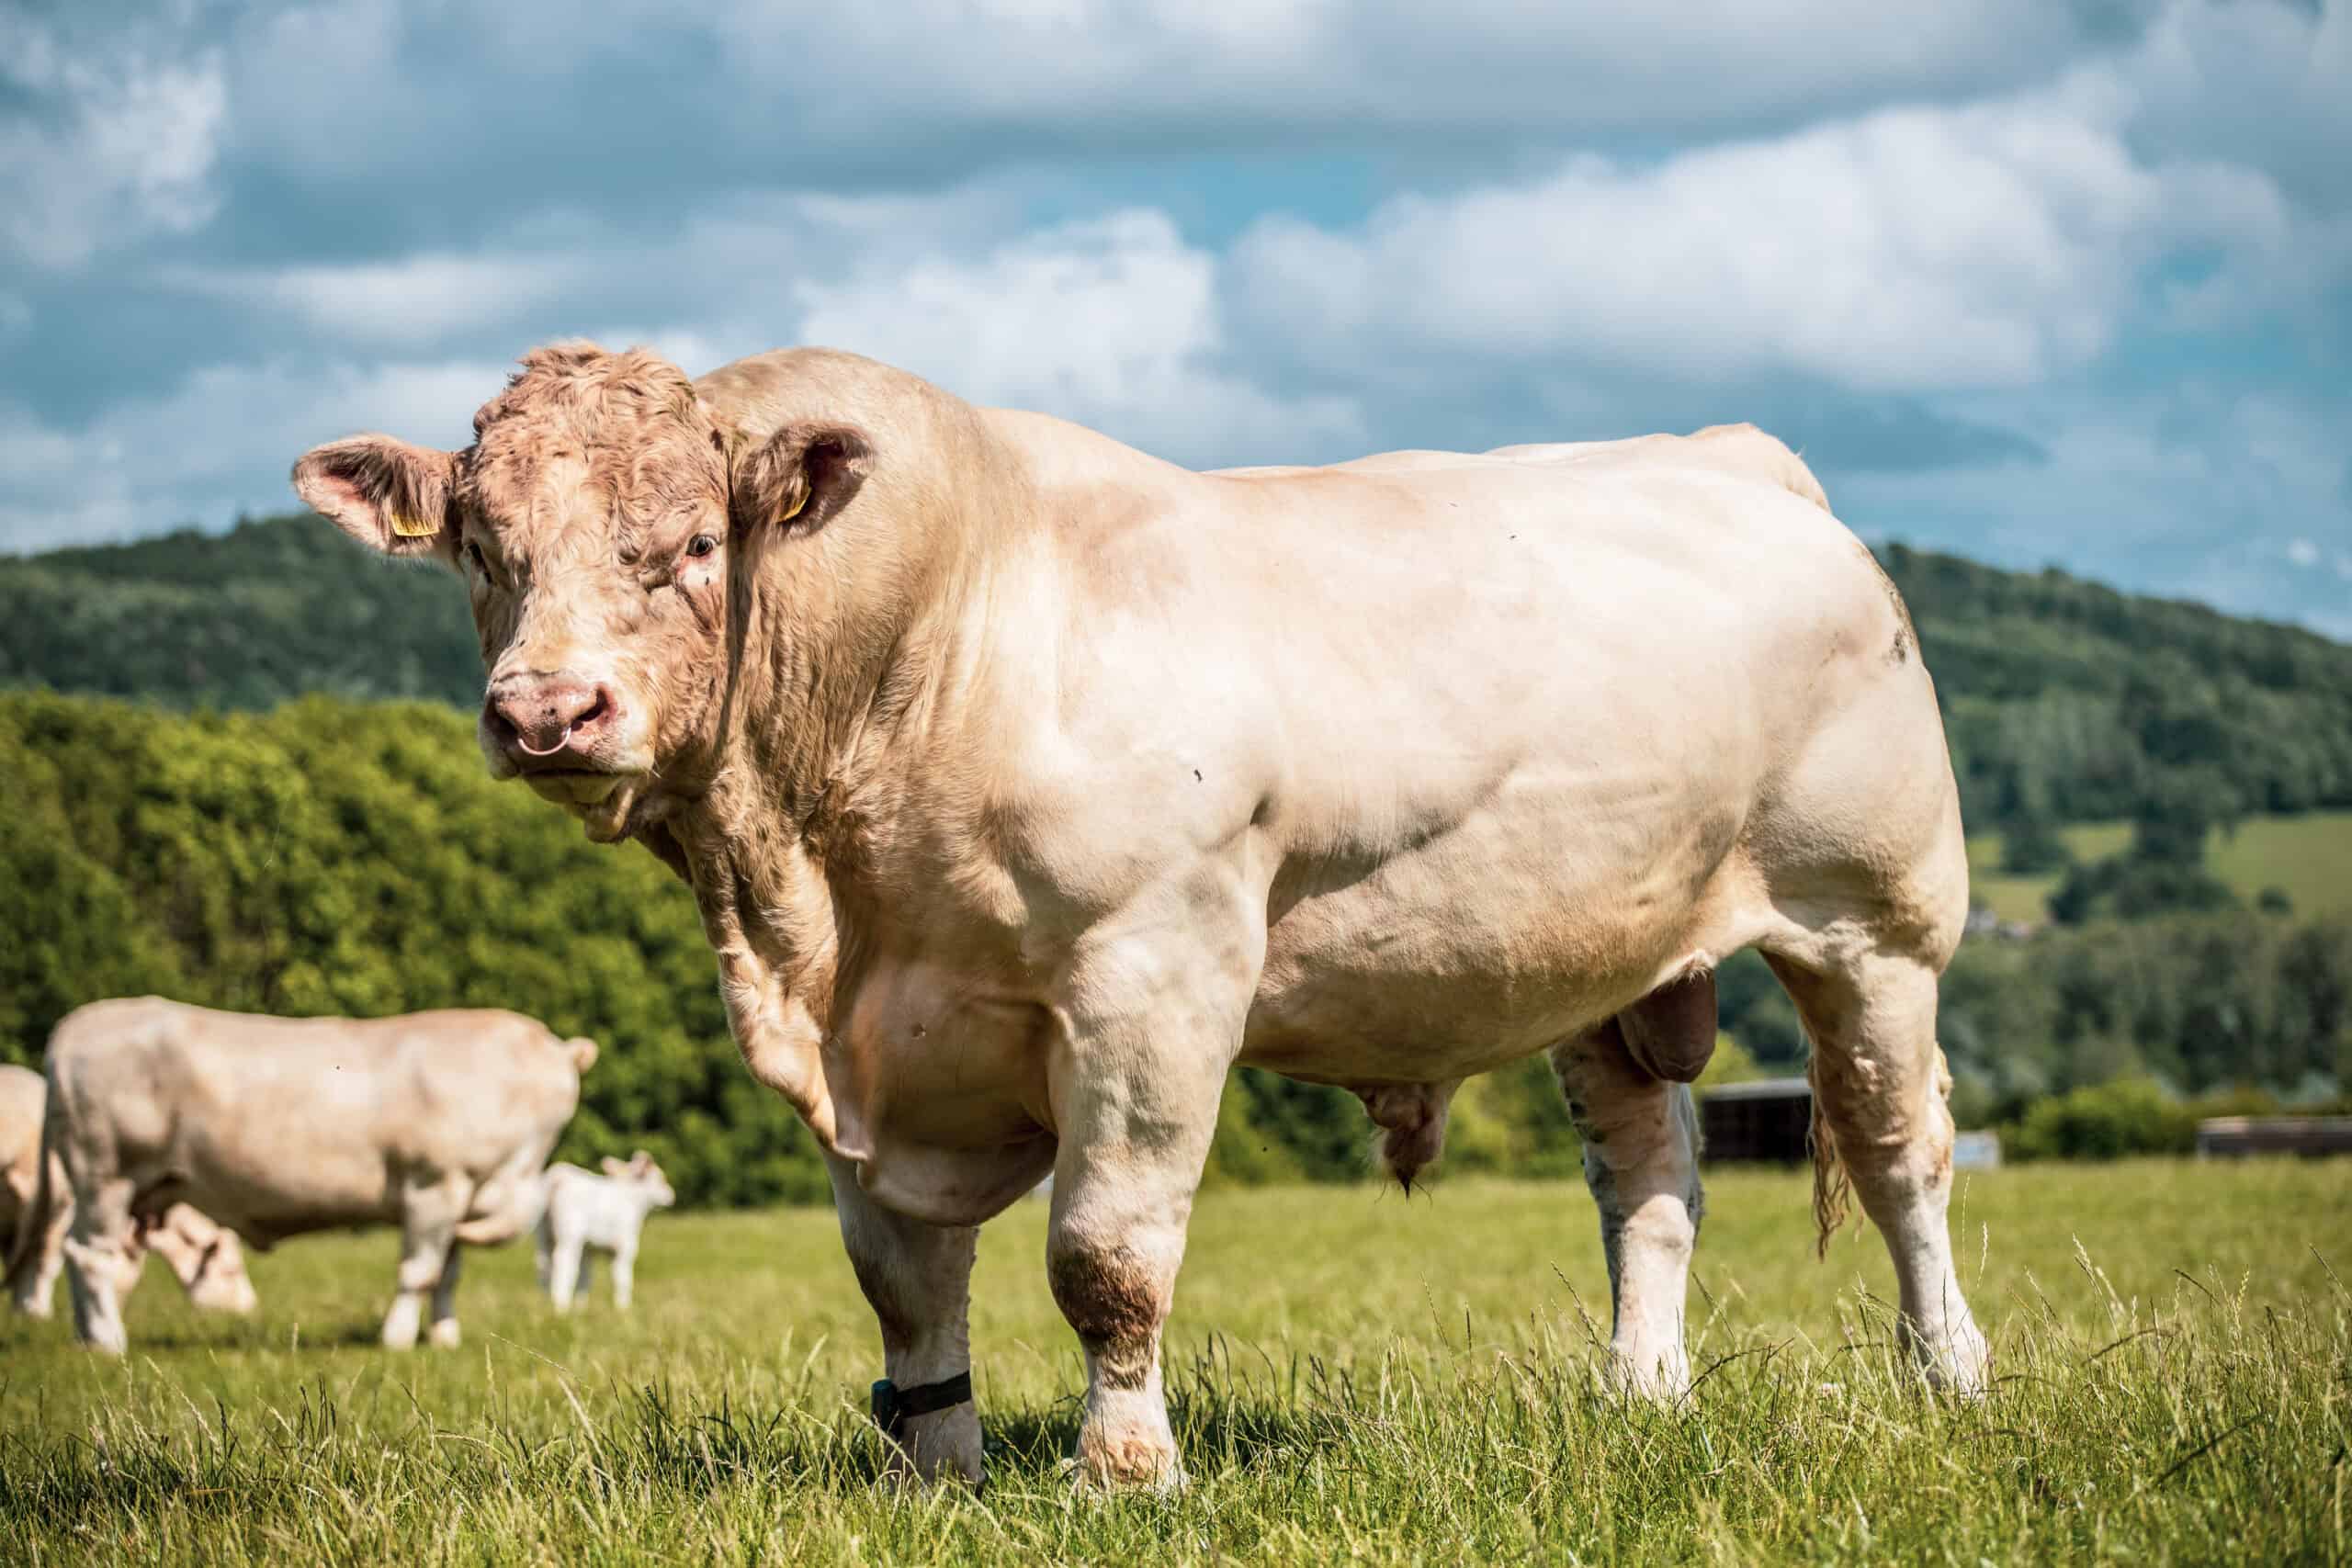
{"x": 387, "y": 494}
{"x": 801, "y": 477}
{"x": 614, "y": 1165}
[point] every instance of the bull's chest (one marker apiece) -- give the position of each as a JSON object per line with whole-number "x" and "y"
{"x": 936, "y": 1054}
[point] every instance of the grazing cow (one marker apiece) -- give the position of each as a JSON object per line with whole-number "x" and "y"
{"x": 208, "y": 1261}
{"x": 1027, "y": 783}
{"x": 435, "y": 1122}
{"x": 603, "y": 1211}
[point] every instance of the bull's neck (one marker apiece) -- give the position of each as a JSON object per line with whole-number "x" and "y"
{"x": 840, "y": 665}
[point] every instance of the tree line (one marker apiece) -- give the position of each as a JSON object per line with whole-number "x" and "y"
{"x": 354, "y": 858}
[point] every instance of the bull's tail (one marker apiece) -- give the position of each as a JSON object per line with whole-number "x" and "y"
{"x": 33, "y": 1226}
{"x": 1833, "y": 1188}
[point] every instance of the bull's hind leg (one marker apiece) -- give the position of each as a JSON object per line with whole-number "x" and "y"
{"x": 444, "y": 1334}
{"x": 917, "y": 1278}
{"x": 1641, "y": 1159}
{"x": 429, "y": 1216}
{"x": 1880, "y": 1085}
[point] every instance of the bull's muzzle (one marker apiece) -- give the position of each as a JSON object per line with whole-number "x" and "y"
{"x": 552, "y": 723}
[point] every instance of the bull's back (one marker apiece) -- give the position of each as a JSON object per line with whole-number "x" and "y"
{"x": 287, "y": 1125}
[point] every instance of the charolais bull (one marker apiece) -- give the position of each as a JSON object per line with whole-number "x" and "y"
{"x": 1028, "y": 783}
{"x": 439, "y": 1123}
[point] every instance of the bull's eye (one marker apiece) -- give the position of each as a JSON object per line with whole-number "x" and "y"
{"x": 474, "y": 556}
{"x": 700, "y": 545}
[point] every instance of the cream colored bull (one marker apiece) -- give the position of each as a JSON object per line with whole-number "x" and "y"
{"x": 435, "y": 1122}
{"x": 206, "y": 1260}
{"x": 1028, "y": 783}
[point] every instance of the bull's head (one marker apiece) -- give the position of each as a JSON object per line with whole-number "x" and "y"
{"x": 596, "y": 519}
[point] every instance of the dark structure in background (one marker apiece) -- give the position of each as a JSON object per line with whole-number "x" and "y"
{"x": 1766, "y": 1122}
{"x": 2236, "y": 1136}
{"x": 1760, "y": 1123}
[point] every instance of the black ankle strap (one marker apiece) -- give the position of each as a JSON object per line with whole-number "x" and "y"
{"x": 894, "y": 1406}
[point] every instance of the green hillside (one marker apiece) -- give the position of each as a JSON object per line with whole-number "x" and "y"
{"x": 2069, "y": 701}
{"x": 245, "y": 619}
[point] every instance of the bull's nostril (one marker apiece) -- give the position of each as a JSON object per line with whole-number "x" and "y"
{"x": 599, "y": 705}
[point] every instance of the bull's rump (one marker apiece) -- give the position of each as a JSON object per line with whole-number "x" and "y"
{"x": 278, "y": 1126}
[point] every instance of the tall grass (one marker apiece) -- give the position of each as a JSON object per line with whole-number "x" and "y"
{"x": 1355, "y": 1377}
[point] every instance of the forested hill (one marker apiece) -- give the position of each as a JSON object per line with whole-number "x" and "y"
{"x": 2068, "y": 701}
{"x": 245, "y": 619}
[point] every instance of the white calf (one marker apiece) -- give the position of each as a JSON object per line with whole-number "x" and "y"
{"x": 605, "y": 1211}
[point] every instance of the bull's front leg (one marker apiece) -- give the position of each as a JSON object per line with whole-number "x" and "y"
{"x": 1134, "y": 1098}
{"x": 917, "y": 1278}
{"x": 103, "y": 1257}
{"x": 37, "y": 1289}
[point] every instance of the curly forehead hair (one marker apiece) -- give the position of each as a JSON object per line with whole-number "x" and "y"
{"x": 632, "y": 416}
{"x": 580, "y": 384}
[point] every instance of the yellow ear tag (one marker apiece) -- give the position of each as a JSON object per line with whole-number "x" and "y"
{"x": 408, "y": 527}
{"x": 797, "y": 505}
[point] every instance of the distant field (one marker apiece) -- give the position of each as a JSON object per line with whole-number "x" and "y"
{"x": 2308, "y": 856}
{"x": 1360, "y": 1377}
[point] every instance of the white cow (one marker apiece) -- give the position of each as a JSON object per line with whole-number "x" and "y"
{"x": 603, "y": 1211}
{"x": 435, "y": 1122}
{"x": 208, "y": 1261}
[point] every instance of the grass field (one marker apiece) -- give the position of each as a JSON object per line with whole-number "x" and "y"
{"x": 1358, "y": 1377}
{"x": 2308, "y": 857}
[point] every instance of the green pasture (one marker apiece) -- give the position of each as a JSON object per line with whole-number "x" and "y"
{"x": 1358, "y": 1377}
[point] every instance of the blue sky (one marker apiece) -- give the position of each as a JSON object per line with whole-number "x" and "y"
{"x": 2034, "y": 280}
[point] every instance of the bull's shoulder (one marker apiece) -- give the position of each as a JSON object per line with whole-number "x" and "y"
{"x": 108, "y": 1024}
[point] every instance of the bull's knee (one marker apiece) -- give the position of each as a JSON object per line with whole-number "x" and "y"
{"x": 1115, "y": 1300}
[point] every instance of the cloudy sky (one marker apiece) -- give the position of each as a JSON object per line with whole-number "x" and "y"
{"x": 2036, "y": 281}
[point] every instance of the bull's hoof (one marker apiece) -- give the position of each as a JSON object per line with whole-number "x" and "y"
{"x": 1961, "y": 1365}
{"x": 1110, "y": 1466}
{"x": 1660, "y": 1379}
{"x": 443, "y": 1336}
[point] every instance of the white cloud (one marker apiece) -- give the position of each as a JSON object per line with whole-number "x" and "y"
{"x": 1197, "y": 71}
{"x": 408, "y": 300}
{"x": 218, "y": 443}
{"x": 1992, "y": 245}
{"x": 105, "y": 146}
{"x": 1112, "y": 322}
{"x": 2302, "y": 552}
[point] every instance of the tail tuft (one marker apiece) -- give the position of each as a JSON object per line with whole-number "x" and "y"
{"x": 1833, "y": 1188}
